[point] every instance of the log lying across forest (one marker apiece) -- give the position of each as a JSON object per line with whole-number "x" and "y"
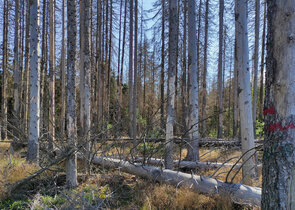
{"x": 203, "y": 141}
{"x": 191, "y": 164}
{"x": 239, "y": 193}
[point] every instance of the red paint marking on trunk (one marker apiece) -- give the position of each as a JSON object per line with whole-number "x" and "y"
{"x": 270, "y": 110}
{"x": 277, "y": 126}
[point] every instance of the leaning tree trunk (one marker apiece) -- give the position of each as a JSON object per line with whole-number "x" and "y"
{"x": 279, "y": 147}
{"x": 244, "y": 93}
{"x": 34, "y": 117}
{"x": 171, "y": 84}
{"x": 220, "y": 79}
{"x": 193, "y": 146}
{"x": 71, "y": 165}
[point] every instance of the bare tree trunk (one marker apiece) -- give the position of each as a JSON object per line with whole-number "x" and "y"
{"x": 34, "y": 120}
{"x": 262, "y": 65}
{"x": 255, "y": 72}
{"x": 134, "y": 110}
{"x": 162, "y": 101}
{"x": 5, "y": 67}
{"x": 220, "y": 79}
{"x": 119, "y": 57}
{"x": 130, "y": 82}
{"x": 109, "y": 60}
{"x": 171, "y": 84}
{"x": 16, "y": 74}
{"x": 244, "y": 94}
{"x": 278, "y": 186}
{"x": 63, "y": 73}
{"x": 204, "y": 81}
{"x": 235, "y": 88}
{"x": 193, "y": 147}
{"x": 71, "y": 165}
{"x": 51, "y": 73}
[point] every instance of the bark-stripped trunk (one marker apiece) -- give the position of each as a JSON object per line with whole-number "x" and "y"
{"x": 71, "y": 165}
{"x": 119, "y": 56}
{"x": 162, "y": 100}
{"x": 34, "y": 118}
{"x": 193, "y": 147}
{"x": 51, "y": 73}
{"x": 130, "y": 75}
{"x": 16, "y": 73}
{"x": 204, "y": 80}
{"x": 235, "y": 88}
{"x": 171, "y": 84}
{"x": 279, "y": 148}
{"x": 63, "y": 74}
{"x": 5, "y": 68}
{"x": 109, "y": 60}
{"x": 244, "y": 94}
{"x": 220, "y": 79}
{"x": 134, "y": 108}
{"x": 255, "y": 72}
{"x": 262, "y": 65}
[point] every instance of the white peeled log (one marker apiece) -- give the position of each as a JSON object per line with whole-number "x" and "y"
{"x": 192, "y": 164}
{"x": 238, "y": 193}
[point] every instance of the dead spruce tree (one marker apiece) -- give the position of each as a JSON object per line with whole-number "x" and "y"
{"x": 278, "y": 187}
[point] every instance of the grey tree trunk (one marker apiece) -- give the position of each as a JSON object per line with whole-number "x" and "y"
{"x": 130, "y": 75}
{"x": 171, "y": 84}
{"x": 235, "y": 92}
{"x": 71, "y": 164}
{"x": 16, "y": 73}
{"x": 278, "y": 185}
{"x": 51, "y": 73}
{"x": 34, "y": 116}
{"x": 162, "y": 100}
{"x": 256, "y": 47}
{"x": 204, "y": 79}
{"x": 193, "y": 147}
{"x": 220, "y": 79}
{"x": 244, "y": 93}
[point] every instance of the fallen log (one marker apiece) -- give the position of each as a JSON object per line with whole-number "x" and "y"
{"x": 239, "y": 193}
{"x": 191, "y": 164}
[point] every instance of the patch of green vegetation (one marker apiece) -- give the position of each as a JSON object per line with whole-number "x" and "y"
{"x": 14, "y": 204}
{"x": 259, "y": 128}
{"x": 51, "y": 202}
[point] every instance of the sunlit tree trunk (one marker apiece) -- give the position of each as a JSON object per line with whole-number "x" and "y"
{"x": 171, "y": 84}
{"x": 162, "y": 100}
{"x": 34, "y": 117}
{"x": 130, "y": 75}
{"x": 244, "y": 93}
{"x": 71, "y": 164}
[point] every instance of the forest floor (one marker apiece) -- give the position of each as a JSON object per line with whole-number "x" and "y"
{"x": 105, "y": 189}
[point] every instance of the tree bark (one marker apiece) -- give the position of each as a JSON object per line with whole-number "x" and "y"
{"x": 34, "y": 117}
{"x": 193, "y": 147}
{"x": 162, "y": 100}
{"x": 171, "y": 84}
{"x": 71, "y": 164}
{"x": 244, "y": 91}
{"x": 279, "y": 148}
{"x": 130, "y": 79}
{"x": 220, "y": 79}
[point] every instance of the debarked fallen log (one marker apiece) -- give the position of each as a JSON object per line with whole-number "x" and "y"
{"x": 241, "y": 194}
{"x": 192, "y": 164}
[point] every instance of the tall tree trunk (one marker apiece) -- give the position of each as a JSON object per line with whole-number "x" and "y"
{"x": 162, "y": 101}
{"x": 135, "y": 74}
{"x": 244, "y": 94}
{"x": 184, "y": 73}
{"x": 262, "y": 65}
{"x": 5, "y": 67}
{"x": 255, "y": 72}
{"x": 130, "y": 82}
{"x": 193, "y": 147}
{"x": 119, "y": 57}
{"x": 16, "y": 74}
{"x": 109, "y": 60}
{"x": 51, "y": 73}
{"x": 198, "y": 42}
{"x": 220, "y": 79}
{"x": 34, "y": 119}
{"x": 278, "y": 186}
{"x": 235, "y": 88}
{"x": 204, "y": 80}
{"x": 63, "y": 74}
{"x": 171, "y": 84}
{"x": 71, "y": 165}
